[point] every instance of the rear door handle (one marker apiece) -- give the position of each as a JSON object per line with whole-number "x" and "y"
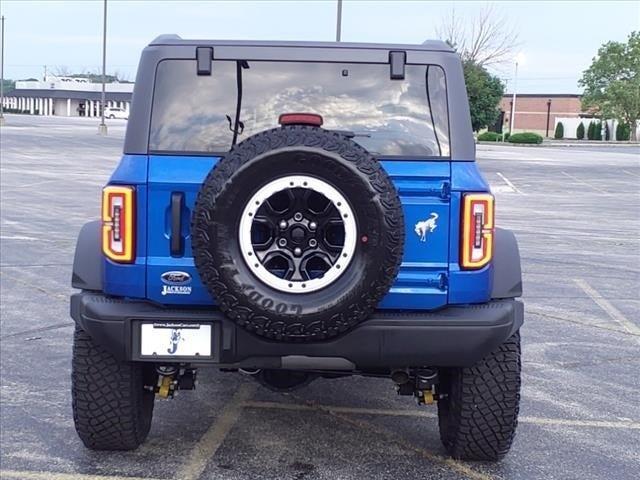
{"x": 176, "y": 240}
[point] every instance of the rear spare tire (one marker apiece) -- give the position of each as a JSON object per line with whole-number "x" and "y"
{"x": 298, "y": 233}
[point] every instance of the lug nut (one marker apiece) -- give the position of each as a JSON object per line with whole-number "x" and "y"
{"x": 313, "y": 243}
{"x": 313, "y": 225}
{"x": 297, "y": 217}
{"x": 283, "y": 224}
{"x": 282, "y": 242}
{"x": 297, "y": 251}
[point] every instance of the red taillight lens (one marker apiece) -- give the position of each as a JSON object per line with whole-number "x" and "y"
{"x": 118, "y": 231}
{"x": 312, "y": 119}
{"x": 477, "y": 230}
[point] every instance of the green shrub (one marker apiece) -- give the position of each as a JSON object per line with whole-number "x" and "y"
{"x": 607, "y": 133}
{"x": 489, "y": 137}
{"x": 623, "y": 132}
{"x": 591, "y": 131}
{"x": 559, "y": 133}
{"x": 597, "y": 134}
{"x": 506, "y": 136}
{"x": 580, "y": 131}
{"x": 525, "y": 137}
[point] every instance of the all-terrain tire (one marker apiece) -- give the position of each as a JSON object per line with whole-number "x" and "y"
{"x": 111, "y": 408}
{"x": 256, "y": 306}
{"x": 479, "y": 415}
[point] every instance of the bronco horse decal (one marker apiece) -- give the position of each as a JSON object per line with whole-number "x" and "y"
{"x": 426, "y": 226}
{"x": 175, "y": 339}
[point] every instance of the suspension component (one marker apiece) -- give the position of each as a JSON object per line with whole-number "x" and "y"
{"x": 172, "y": 378}
{"x": 420, "y": 383}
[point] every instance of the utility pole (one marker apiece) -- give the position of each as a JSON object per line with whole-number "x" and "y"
{"x": 103, "y": 126}
{"x": 2, "y": 73}
{"x": 339, "y": 21}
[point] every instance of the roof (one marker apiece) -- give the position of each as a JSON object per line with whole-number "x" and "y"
{"x": 76, "y": 95}
{"x": 172, "y": 39}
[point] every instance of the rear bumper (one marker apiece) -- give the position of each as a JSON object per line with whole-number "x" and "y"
{"x": 453, "y": 336}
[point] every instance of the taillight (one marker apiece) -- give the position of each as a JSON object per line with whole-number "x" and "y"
{"x": 477, "y": 230}
{"x": 118, "y": 232}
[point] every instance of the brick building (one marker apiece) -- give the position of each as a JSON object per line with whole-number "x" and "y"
{"x": 537, "y": 112}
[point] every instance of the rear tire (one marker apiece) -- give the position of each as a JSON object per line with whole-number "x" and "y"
{"x": 479, "y": 415}
{"x": 111, "y": 408}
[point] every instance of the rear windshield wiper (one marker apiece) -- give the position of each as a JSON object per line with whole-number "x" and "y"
{"x": 350, "y": 134}
{"x": 238, "y": 126}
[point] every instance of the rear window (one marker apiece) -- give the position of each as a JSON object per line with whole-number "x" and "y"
{"x": 197, "y": 114}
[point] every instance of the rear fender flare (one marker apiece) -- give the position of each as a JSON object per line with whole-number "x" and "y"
{"x": 507, "y": 272}
{"x": 88, "y": 259}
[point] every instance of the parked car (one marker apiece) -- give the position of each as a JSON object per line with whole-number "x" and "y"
{"x": 294, "y": 211}
{"x": 116, "y": 112}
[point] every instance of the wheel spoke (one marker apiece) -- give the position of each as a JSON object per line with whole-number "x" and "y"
{"x": 301, "y": 234}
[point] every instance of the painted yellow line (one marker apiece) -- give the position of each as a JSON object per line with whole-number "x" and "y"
{"x": 30, "y": 475}
{"x": 209, "y": 443}
{"x": 612, "y": 311}
{"x": 388, "y": 435}
{"x": 623, "y": 424}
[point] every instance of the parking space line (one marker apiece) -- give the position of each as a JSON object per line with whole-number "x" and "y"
{"x": 508, "y": 182}
{"x": 209, "y": 443}
{"x": 456, "y": 465}
{"x": 612, "y": 311}
{"x": 32, "y": 475}
{"x": 622, "y": 424}
{"x": 582, "y": 182}
{"x": 631, "y": 173}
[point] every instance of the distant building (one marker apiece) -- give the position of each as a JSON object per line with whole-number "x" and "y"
{"x": 66, "y": 96}
{"x": 537, "y": 112}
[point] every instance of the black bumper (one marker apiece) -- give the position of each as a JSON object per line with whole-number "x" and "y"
{"x": 453, "y": 336}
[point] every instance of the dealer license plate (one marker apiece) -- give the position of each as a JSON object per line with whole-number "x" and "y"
{"x": 175, "y": 339}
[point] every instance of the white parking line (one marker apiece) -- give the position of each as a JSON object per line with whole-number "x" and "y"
{"x": 208, "y": 445}
{"x": 508, "y": 182}
{"x": 612, "y": 311}
{"x": 623, "y": 424}
{"x": 631, "y": 173}
{"x": 30, "y": 475}
{"x": 582, "y": 182}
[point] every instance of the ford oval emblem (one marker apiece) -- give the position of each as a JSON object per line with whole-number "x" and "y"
{"x": 175, "y": 278}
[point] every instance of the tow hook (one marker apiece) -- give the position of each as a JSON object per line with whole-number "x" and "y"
{"x": 421, "y": 383}
{"x": 172, "y": 378}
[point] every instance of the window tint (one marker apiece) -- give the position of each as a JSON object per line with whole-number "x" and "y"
{"x": 388, "y": 117}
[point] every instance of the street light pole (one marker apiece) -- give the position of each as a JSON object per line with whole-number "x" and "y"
{"x": 339, "y": 21}
{"x": 103, "y": 127}
{"x": 513, "y": 100}
{"x": 2, "y": 74}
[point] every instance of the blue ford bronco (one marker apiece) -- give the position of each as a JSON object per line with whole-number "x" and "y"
{"x": 293, "y": 211}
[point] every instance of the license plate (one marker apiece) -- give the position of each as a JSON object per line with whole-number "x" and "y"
{"x": 175, "y": 340}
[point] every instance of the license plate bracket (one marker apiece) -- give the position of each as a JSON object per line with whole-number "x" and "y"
{"x": 172, "y": 339}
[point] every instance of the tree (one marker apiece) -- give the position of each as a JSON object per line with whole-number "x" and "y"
{"x": 591, "y": 131}
{"x": 484, "y": 91}
{"x": 487, "y": 39}
{"x": 597, "y": 131}
{"x": 559, "y": 133}
{"x": 612, "y": 82}
{"x": 622, "y": 132}
{"x": 580, "y": 131}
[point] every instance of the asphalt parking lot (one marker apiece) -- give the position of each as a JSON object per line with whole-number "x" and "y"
{"x": 576, "y": 212}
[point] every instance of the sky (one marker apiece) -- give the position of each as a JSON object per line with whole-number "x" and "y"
{"x": 557, "y": 39}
